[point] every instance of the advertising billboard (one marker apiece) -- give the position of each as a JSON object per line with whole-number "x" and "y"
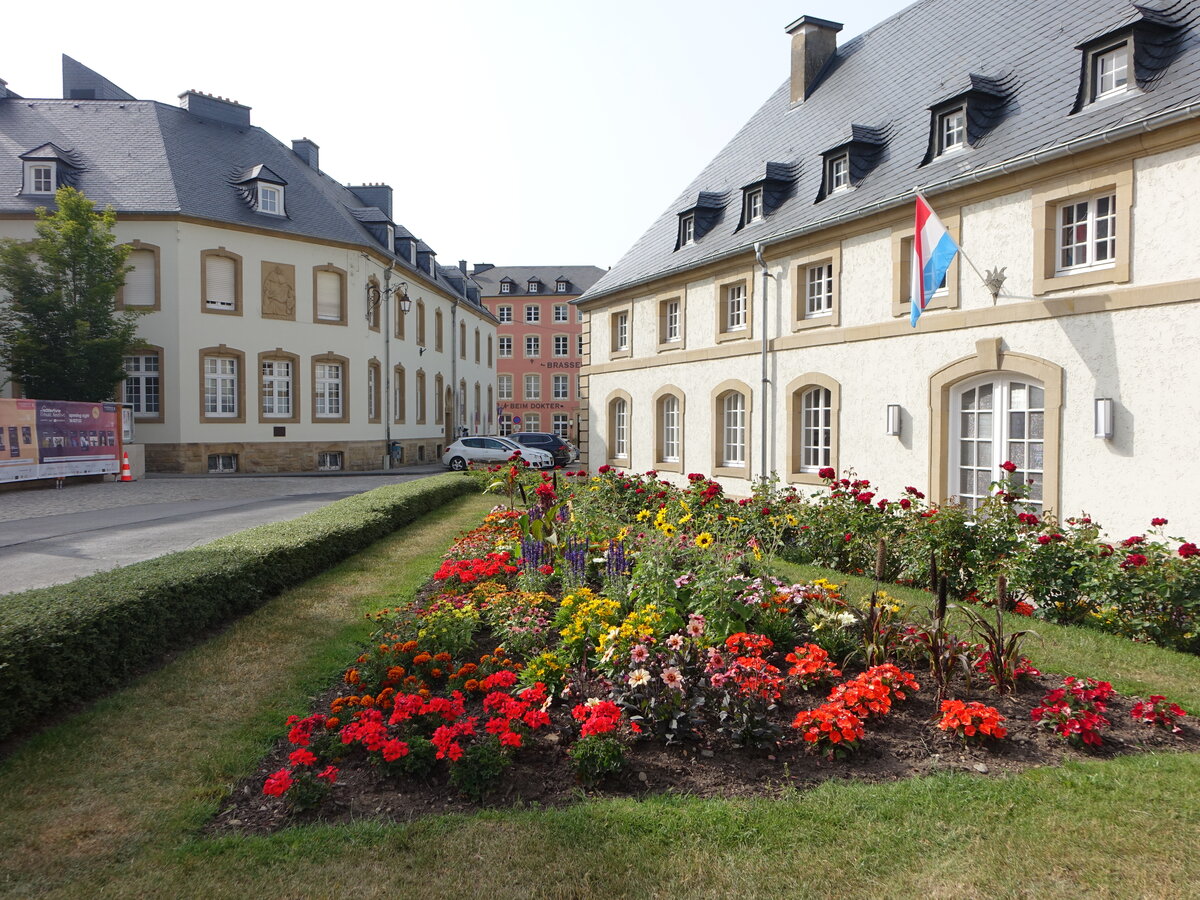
{"x": 56, "y": 438}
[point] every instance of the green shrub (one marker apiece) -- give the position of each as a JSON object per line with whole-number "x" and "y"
{"x": 596, "y": 757}
{"x": 71, "y": 642}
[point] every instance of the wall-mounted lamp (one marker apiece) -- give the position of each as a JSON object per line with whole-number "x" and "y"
{"x": 376, "y": 296}
{"x": 1104, "y": 418}
{"x": 893, "y": 419}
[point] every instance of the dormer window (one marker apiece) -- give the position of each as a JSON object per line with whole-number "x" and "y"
{"x": 533, "y": 286}
{"x": 270, "y": 199}
{"x": 837, "y": 173}
{"x": 561, "y": 286}
{"x": 1110, "y": 71}
{"x": 952, "y": 130}
{"x": 506, "y": 287}
{"x": 753, "y": 211}
{"x": 391, "y": 238}
{"x": 687, "y": 231}
{"x": 39, "y": 178}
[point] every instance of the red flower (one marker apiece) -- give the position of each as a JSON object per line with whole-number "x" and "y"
{"x": 1158, "y": 521}
{"x": 1008, "y": 466}
{"x": 827, "y": 472}
{"x": 278, "y": 783}
{"x": 1023, "y": 609}
{"x": 1134, "y": 561}
{"x": 1131, "y": 541}
{"x": 865, "y": 497}
{"x": 546, "y": 569}
{"x": 603, "y": 469}
{"x": 329, "y": 773}
{"x": 905, "y": 503}
{"x": 848, "y": 536}
{"x": 302, "y": 757}
{"x": 1187, "y": 550}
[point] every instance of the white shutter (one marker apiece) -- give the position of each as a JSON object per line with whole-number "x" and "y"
{"x": 139, "y": 283}
{"x": 329, "y": 295}
{"x": 220, "y": 275}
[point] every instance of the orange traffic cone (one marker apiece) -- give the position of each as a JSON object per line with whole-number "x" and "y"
{"x": 126, "y": 474}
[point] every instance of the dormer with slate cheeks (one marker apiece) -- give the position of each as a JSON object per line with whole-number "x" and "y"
{"x": 506, "y": 285}
{"x": 962, "y": 120}
{"x": 846, "y": 165}
{"x": 49, "y": 167}
{"x": 406, "y": 245}
{"x": 426, "y": 259}
{"x": 700, "y": 218}
{"x": 562, "y": 284}
{"x": 534, "y": 285}
{"x": 376, "y": 221}
{"x": 261, "y": 190}
{"x": 1133, "y": 55}
{"x": 760, "y": 198}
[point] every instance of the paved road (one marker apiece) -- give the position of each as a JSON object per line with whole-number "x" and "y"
{"x": 49, "y": 537}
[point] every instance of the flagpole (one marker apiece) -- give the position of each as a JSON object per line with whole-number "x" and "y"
{"x": 992, "y": 281}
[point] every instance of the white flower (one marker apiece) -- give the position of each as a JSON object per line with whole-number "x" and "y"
{"x": 846, "y": 619}
{"x": 592, "y": 701}
{"x": 639, "y": 653}
{"x": 672, "y": 678}
{"x": 638, "y": 677}
{"x": 675, "y": 642}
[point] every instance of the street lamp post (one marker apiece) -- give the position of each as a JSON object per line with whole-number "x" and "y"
{"x": 375, "y": 297}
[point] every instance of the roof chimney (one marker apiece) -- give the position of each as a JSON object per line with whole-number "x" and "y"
{"x": 308, "y": 151}
{"x": 462, "y": 266}
{"x": 3, "y": 88}
{"x": 217, "y": 109}
{"x": 814, "y": 42}
{"x": 376, "y": 194}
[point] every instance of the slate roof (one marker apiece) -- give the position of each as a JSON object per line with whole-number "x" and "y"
{"x": 580, "y": 277}
{"x": 888, "y": 78}
{"x": 142, "y": 156}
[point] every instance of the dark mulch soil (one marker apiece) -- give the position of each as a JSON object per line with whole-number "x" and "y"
{"x": 902, "y": 745}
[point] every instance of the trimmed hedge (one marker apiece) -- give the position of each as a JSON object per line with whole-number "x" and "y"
{"x": 72, "y": 642}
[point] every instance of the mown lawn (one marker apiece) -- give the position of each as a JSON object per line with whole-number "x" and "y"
{"x": 110, "y": 803}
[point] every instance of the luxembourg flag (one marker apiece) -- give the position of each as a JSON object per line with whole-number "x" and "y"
{"x": 933, "y": 251}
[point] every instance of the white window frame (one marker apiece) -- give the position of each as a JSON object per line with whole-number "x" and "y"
{"x": 372, "y": 387}
{"x": 560, "y": 424}
{"x": 533, "y": 313}
{"x": 560, "y": 287}
{"x": 687, "y": 230}
{"x": 733, "y": 430}
{"x": 837, "y": 173}
{"x": 277, "y": 393}
{"x": 327, "y": 391}
{"x": 816, "y": 429}
{"x": 1002, "y": 445}
{"x": 533, "y": 422}
{"x": 40, "y": 176}
{"x": 533, "y": 346}
{"x": 504, "y": 314}
{"x": 818, "y": 290}
{"x": 270, "y": 199}
{"x": 560, "y": 387}
{"x": 533, "y": 287}
{"x": 620, "y": 428}
{"x": 579, "y": 345}
{"x": 562, "y": 312}
{"x": 735, "y": 307}
{"x": 506, "y": 287}
{"x": 504, "y": 387}
{"x": 143, "y": 384}
{"x": 531, "y": 387}
{"x": 669, "y": 410}
{"x": 222, "y": 462}
{"x": 671, "y": 330}
{"x": 1109, "y": 70}
{"x": 562, "y": 345}
{"x": 1089, "y": 216}
{"x": 504, "y": 347}
{"x": 621, "y": 332}
{"x": 329, "y": 461}
{"x": 753, "y": 210}
{"x": 952, "y": 130}
{"x": 220, "y": 387}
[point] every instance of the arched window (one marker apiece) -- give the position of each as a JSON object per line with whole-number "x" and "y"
{"x": 618, "y": 429}
{"x": 997, "y": 418}
{"x": 669, "y": 431}
{"x": 733, "y": 429}
{"x": 816, "y": 429}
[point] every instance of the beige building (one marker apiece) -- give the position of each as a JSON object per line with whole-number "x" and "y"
{"x": 1065, "y": 155}
{"x": 270, "y": 295}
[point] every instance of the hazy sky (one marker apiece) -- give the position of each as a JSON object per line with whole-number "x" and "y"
{"x": 520, "y": 133}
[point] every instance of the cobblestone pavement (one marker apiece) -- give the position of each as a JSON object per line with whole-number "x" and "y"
{"x": 78, "y": 496}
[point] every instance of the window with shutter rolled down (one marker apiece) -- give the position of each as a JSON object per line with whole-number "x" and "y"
{"x": 139, "y": 282}
{"x": 220, "y": 282}
{"x": 329, "y": 296}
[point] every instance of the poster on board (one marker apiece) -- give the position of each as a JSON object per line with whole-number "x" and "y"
{"x": 57, "y": 438}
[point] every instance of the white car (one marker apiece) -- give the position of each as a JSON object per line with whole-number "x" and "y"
{"x": 491, "y": 450}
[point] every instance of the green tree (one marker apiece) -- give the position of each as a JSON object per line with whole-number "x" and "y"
{"x": 61, "y": 336}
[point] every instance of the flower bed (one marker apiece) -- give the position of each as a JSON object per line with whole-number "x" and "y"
{"x": 630, "y": 640}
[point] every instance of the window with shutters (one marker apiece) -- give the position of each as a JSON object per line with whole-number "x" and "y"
{"x": 329, "y": 295}
{"x": 143, "y": 384}
{"x": 142, "y": 286}
{"x": 221, "y": 281}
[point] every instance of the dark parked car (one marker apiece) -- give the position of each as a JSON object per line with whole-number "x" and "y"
{"x": 540, "y": 440}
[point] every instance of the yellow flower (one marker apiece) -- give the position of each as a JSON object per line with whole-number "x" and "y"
{"x": 792, "y": 520}
{"x": 623, "y": 533}
{"x": 687, "y": 518}
{"x": 643, "y": 515}
{"x": 667, "y": 528}
{"x": 704, "y": 540}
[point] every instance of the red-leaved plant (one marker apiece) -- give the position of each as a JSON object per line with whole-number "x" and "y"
{"x": 1159, "y": 711}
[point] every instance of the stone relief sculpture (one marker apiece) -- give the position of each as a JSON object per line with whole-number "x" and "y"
{"x": 278, "y": 291}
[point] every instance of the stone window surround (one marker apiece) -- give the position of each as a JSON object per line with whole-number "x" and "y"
{"x": 373, "y": 319}
{"x": 399, "y": 392}
{"x": 237, "y": 282}
{"x": 152, "y": 350}
{"x": 660, "y": 464}
{"x": 830, "y": 254}
{"x": 342, "y": 318}
{"x": 438, "y": 328}
{"x": 613, "y": 460}
{"x": 330, "y": 357}
{"x": 280, "y": 354}
{"x": 224, "y": 352}
{"x": 1050, "y": 195}
{"x": 157, "y": 305}
{"x": 795, "y": 424}
{"x": 661, "y": 307}
{"x": 422, "y": 398}
{"x": 373, "y": 364}
{"x": 991, "y": 358}
{"x": 614, "y": 314}
{"x": 718, "y": 422}
{"x": 722, "y": 284}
